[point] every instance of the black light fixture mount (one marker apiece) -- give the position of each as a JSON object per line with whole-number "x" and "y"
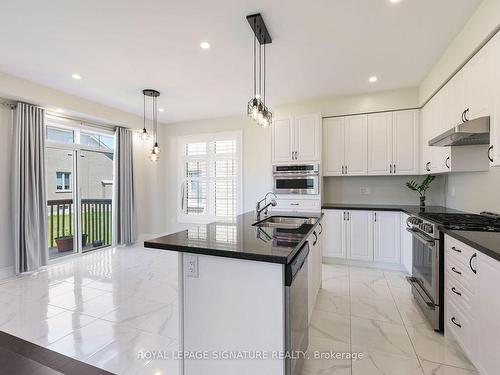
{"x": 153, "y": 94}
{"x": 256, "y": 107}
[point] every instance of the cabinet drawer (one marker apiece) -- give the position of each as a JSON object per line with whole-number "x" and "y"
{"x": 456, "y": 270}
{"x": 298, "y": 205}
{"x": 458, "y": 250}
{"x": 459, "y": 325}
{"x": 458, "y": 295}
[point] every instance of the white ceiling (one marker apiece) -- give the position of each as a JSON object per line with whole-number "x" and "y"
{"x": 320, "y": 48}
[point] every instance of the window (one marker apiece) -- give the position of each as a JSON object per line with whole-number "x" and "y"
{"x": 210, "y": 177}
{"x": 63, "y": 181}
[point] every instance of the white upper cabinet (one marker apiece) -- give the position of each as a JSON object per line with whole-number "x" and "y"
{"x": 356, "y": 145}
{"x": 473, "y": 92}
{"x": 308, "y": 137}
{"x": 494, "y": 53}
{"x": 387, "y": 237}
{"x": 405, "y": 141}
{"x": 393, "y": 143}
{"x": 333, "y": 146}
{"x": 345, "y": 146}
{"x": 380, "y": 143}
{"x": 282, "y": 134}
{"x": 297, "y": 139}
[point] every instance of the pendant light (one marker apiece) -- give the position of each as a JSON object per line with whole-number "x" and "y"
{"x": 256, "y": 107}
{"x": 153, "y": 94}
{"x": 144, "y": 133}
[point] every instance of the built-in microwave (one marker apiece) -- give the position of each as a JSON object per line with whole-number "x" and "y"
{"x": 296, "y": 179}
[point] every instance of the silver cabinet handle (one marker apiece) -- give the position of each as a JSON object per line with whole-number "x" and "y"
{"x": 455, "y": 270}
{"x": 346, "y": 169}
{"x": 454, "y": 321}
{"x": 454, "y": 290}
{"x": 375, "y": 216}
{"x": 394, "y": 168}
{"x": 455, "y": 249}
{"x": 489, "y": 154}
{"x": 428, "y": 166}
{"x": 390, "y": 168}
{"x": 182, "y": 198}
{"x": 294, "y": 204}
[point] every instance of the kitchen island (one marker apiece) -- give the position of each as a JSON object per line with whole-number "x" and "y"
{"x": 238, "y": 303}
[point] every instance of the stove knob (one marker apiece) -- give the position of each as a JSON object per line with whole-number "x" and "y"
{"x": 428, "y": 228}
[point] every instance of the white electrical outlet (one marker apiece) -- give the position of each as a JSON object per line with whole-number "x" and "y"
{"x": 191, "y": 265}
{"x": 365, "y": 190}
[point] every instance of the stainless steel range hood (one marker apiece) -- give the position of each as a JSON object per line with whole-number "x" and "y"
{"x": 473, "y": 132}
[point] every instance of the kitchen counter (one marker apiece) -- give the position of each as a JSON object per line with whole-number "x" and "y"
{"x": 408, "y": 209}
{"x": 238, "y": 239}
{"x": 486, "y": 242}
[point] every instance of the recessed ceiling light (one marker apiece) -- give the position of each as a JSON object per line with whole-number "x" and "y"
{"x": 161, "y": 110}
{"x": 76, "y": 76}
{"x": 205, "y": 45}
{"x": 395, "y": 1}
{"x": 60, "y": 110}
{"x": 372, "y": 79}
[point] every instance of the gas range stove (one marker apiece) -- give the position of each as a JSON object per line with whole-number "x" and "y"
{"x": 428, "y": 222}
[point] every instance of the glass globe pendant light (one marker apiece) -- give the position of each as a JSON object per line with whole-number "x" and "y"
{"x": 153, "y": 94}
{"x": 256, "y": 107}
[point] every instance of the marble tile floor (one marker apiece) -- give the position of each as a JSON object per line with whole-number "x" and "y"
{"x": 371, "y": 311}
{"x": 107, "y": 307}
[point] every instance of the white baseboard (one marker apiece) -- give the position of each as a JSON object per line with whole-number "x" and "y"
{"x": 362, "y": 263}
{"x": 6, "y": 273}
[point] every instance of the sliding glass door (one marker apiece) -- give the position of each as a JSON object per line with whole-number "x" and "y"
{"x": 79, "y": 167}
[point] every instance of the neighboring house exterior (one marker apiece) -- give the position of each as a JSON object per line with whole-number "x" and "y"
{"x": 96, "y": 174}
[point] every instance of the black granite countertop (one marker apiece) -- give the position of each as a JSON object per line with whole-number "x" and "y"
{"x": 409, "y": 209}
{"x": 239, "y": 239}
{"x": 486, "y": 242}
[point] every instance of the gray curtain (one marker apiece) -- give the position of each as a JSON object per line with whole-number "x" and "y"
{"x": 30, "y": 202}
{"x": 124, "y": 220}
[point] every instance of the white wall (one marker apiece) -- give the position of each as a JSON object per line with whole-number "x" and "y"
{"x": 346, "y": 105}
{"x": 6, "y": 140}
{"x": 384, "y": 190}
{"x": 481, "y": 24}
{"x": 256, "y": 161}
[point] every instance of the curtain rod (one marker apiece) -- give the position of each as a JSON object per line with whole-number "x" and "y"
{"x": 13, "y": 103}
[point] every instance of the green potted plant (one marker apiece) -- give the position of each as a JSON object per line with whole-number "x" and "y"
{"x": 421, "y": 188}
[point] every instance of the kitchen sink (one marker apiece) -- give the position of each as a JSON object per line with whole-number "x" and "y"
{"x": 285, "y": 222}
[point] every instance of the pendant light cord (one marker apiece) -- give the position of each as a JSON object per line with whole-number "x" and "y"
{"x": 264, "y": 83}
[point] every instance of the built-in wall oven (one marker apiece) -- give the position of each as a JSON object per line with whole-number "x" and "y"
{"x": 427, "y": 279}
{"x": 296, "y": 179}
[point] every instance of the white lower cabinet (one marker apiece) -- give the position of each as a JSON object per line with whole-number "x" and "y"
{"x": 472, "y": 304}
{"x": 334, "y": 234}
{"x": 362, "y": 235}
{"x": 387, "y": 237}
{"x": 314, "y": 270}
{"x": 359, "y": 235}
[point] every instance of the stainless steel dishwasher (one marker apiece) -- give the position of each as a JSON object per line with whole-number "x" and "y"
{"x": 296, "y": 310}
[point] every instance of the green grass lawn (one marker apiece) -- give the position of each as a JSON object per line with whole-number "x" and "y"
{"x": 101, "y": 219}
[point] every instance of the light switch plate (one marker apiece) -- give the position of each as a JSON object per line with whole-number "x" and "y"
{"x": 365, "y": 190}
{"x": 191, "y": 265}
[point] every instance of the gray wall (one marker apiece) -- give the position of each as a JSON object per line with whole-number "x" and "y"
{"x": 384, "y": 190}
{"x": 6, "y": 141}
{"x": 474, "y": 192}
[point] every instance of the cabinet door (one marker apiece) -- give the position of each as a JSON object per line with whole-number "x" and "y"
{"x": 440, "y": 118}
{"x": 333, "y": 236}
{"x": 356, "y": 145}
{"x": 406, "y": 245}
{"x": 307, "y": 137}
{"x": 478, "y": 87}
{"x": 405, "y": 142}
{"x": 282, "y": 135}
{"x": 387, "y": 237}
{"x": 360, "y": 235}
{"x": 425, "y": 135}
{"x": 487, "y": 313}
{"x": 495, "y": 110}
{"x": 380, "y": 143}
{"x": 333, "y": 146}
